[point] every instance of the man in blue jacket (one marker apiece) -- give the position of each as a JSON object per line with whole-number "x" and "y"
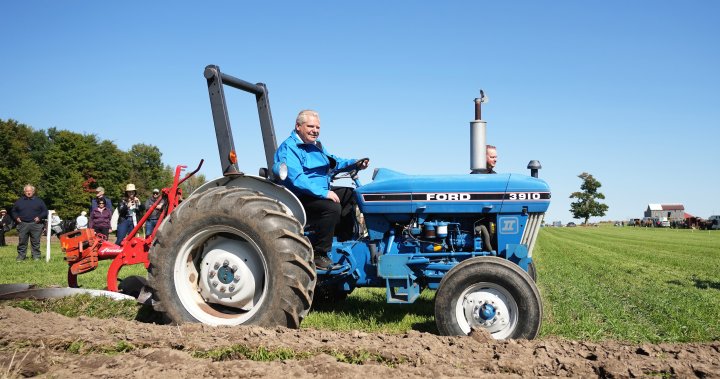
{"x": 309, "y": 173}
{"x": 29, "y": 212}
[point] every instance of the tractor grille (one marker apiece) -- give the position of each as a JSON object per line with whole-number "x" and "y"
{"x": 531, "y": 231}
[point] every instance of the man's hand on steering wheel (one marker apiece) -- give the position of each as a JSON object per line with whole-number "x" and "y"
{"x": 362, "y": 163}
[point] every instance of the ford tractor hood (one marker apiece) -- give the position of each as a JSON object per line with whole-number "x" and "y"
{"x": 394, "y": 192}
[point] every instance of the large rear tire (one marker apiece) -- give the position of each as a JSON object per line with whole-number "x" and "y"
{"x": 491, "y": 293}
{"x": 230, "y": 256}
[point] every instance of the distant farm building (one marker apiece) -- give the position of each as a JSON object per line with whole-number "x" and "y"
{"x": 670, "y": 212}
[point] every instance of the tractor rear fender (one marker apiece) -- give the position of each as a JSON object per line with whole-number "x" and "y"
{"x": 260, "y": 184}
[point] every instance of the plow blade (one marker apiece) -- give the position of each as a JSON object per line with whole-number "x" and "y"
{"x": 26, "y": 291}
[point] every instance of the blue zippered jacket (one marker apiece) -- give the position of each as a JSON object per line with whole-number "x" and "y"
{"x": 309, "y": 166}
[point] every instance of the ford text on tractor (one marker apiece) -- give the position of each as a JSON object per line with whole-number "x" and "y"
{"x": 236, "y": 251}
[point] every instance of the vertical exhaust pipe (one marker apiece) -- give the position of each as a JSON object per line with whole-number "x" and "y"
{"x": 478, "y": 127}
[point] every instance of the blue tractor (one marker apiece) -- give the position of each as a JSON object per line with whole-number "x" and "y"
{"x": 236, "y": 251}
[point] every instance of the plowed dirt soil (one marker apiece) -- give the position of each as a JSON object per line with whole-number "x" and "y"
{"x": 52, "y": 345}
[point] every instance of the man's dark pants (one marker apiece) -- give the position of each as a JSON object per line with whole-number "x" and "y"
{"x": 326, "y": 218}
{"x": 150, "y": 226}
{"x": 32, "y": 231}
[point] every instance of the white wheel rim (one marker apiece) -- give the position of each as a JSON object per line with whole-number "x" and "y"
{"x": 220, "y": 276}
{"x": 467, "y": 310}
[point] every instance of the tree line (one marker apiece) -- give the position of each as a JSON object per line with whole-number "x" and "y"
{"x": 66, "y": 167}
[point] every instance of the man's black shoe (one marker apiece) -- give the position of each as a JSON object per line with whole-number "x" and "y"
{"x": 322, "y": 262}
{"x": 19, "y": 259}
{"x": 36, "y": 259}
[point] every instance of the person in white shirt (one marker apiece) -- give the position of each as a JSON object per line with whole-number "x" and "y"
{"x": 81, "y": 222}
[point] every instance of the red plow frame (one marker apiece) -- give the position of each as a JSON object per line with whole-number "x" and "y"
{"x": 85, "y": 248}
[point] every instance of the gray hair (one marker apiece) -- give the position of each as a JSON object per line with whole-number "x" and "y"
{"x": 29, "y": 185}
{"x": 303, "y": 115}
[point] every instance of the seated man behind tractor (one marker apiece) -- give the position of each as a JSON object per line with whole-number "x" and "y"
{"x": 309, "y": 174}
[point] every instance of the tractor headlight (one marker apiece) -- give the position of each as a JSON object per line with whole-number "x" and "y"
{"x": 280, "y": 170}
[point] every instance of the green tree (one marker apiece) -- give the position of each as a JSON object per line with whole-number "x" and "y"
{"x": 66, "y": 159}
{"x": 587, "y": 205}
{"x": 111, "y": 170}
{"x": 58, "y": 162}
{"x": 193, "y": 183}
{"x": 147, "y": 169}
{"x": 21, "y": 151}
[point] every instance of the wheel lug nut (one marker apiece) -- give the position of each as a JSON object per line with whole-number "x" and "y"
{"x": 234, "y": 268}
{"x": 217, "y": 265}
{"x": 226, "y": 263}
{"x": 222, "y": 289}
{"x": 232, "y": 288}
{"x": 237, "y": 278}
{"x": 211, "y": 274}
{"x": 215, "y": 283}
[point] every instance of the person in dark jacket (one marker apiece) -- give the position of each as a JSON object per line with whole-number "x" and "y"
{"x": 155, "y": 215}
{"x": 29, "y": 212}
{"x": 100, "y": 194}
{"x": 130, "y": 211}
{"x": 5, "y": 225}
{"x": 100, "y": 219}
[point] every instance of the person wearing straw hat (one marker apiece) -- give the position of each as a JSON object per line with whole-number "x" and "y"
{"x": 130, "y": 210}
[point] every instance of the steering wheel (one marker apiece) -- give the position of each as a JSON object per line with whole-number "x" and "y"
{"x": 349, "y": 174}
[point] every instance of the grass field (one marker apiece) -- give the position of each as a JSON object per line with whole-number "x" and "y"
{"x": 631, "y": 284}
{"x": 636, "y": 284}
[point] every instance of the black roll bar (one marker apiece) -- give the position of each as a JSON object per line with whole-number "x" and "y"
{"x": 223, "y": 132}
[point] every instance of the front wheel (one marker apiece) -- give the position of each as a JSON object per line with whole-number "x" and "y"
{"x": 230, "y": 256}
{"x": 532, "y": 271}
{"x": 490, "y": 293}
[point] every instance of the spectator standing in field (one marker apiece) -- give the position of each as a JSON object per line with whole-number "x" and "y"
{"x": 100, "y": 219}
{"x": 100, "y": 194}
{"x": 56, "y": 224}
{"x": 29, "y": 212}
{"x": 81, "y": 222}
{"x": 491, "y": 156}
{"x": 130, "y": 210}
{"x": 155, "y": 215}
{"x": 5, "y": 225}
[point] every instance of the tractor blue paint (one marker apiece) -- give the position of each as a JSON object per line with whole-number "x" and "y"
{"x": 421, "y": 226}
{"x": 486, "y": 312}
{"x": 420, "y": 231}
{"x": 225, "y": 275}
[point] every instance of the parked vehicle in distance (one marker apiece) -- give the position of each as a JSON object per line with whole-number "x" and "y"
{"x": 557, "y": 224}
{"x": 714, "y": 222}
{"x": 571, "y": 224}
{"x": 649, "y": 221}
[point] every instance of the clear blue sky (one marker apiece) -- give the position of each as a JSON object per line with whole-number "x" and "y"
{"x": 628, "y": 91}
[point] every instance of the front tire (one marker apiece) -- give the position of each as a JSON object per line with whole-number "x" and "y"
{"x": 532, "y": 271}
{"x": 230, "y": 256}
{"x": 491, "y": 293}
